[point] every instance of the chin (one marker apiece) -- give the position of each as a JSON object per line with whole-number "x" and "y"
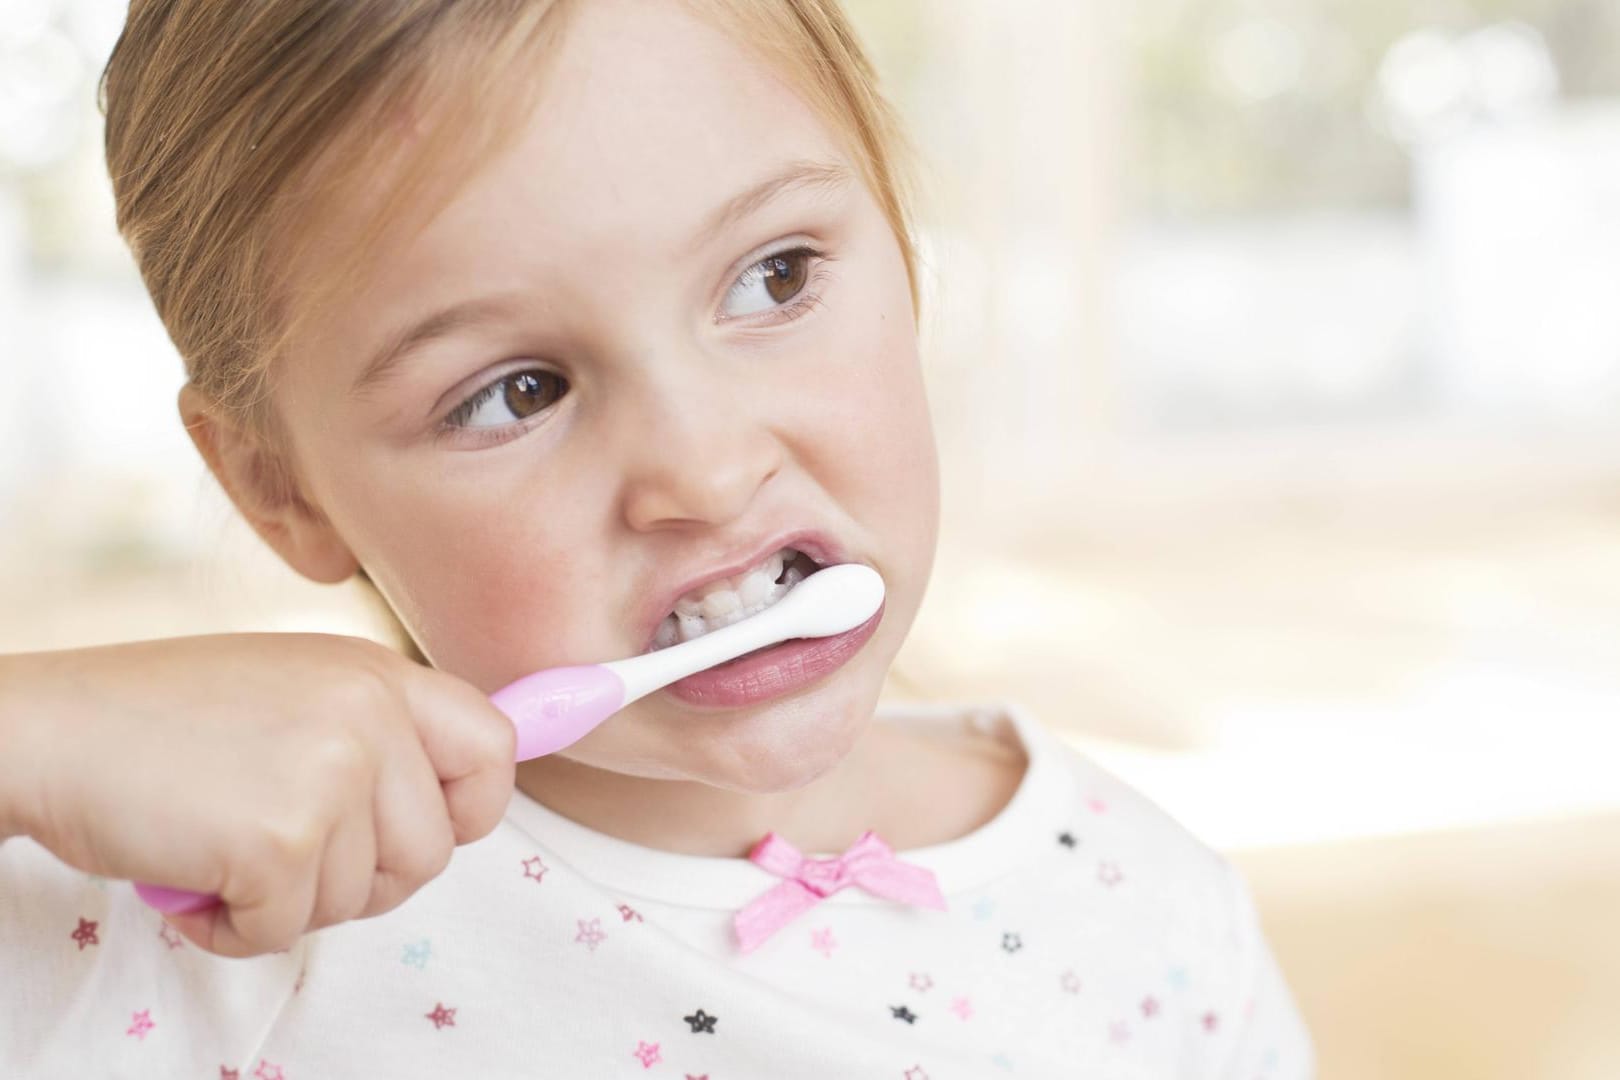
{"x": 785, "y": 745}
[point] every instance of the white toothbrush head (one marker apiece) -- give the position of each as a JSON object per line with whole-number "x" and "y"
{"x": 830, "y": 601}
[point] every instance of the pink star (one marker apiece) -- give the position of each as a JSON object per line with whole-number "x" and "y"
{"x": 962, "y": 1007}
{"x": 1109, "y": 874}
{"x": 627, "y": 913}
{"x": 228, "y": 1074}
{"x": 1097, "y": 806}
{"x": 1211, "y": 1021}
{"x": 86, "y": 933}
{"x": 441, "y": 1016}
{"x": 171, "y": 937}
{"x": 1070, "y": 982}
{"x": 921, "y": 982}
{"x": 534, "y": 868}
{"x": 916, "y": 1073}
{"x": 590, "y": 933}
{"x": 1119, "y": 1032}
{"x": 1150, "y": 1007}
{"x": 689, "y": 1076}
{"x": 822, "y": 941}
{"x": 647, "y": 1052}
{"x": 267, "y": 1071}
{"x": 140, "y": 1023}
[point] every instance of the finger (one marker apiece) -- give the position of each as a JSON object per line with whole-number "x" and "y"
{"x": 472, "y": 747}
{"x": 347, "y": 867}
{"x": 413, "y": 831}
{"x": 267, "y": 911}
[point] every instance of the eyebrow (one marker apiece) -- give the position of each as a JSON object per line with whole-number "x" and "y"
{"x": 799, "y": 174}
{"x": 451, "y": 320}
{"x": 386, "y": 360}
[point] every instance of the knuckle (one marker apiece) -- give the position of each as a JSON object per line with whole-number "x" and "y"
{"x": 428, "y": 860}
{"x": 363, "y": 691}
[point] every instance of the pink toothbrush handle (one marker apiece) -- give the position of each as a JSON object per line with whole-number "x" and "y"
{"x": 551, "y": 709}
{"x": 559, "y": 706}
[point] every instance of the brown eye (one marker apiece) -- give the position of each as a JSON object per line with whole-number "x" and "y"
{"x": 530, "y": 391}
{"x": 505, "y": 401}
{"x": 785, "y": 275}
{"x": 771, "y": 284}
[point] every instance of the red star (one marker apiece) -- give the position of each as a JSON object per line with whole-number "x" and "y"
{"x": 298, "y": 987}
{"x": 921, "y": 982}
{"x": 1070, "y": 982}
{"x": 1109, "y": 874}
{"x": 628, "y": 913}
{"x": 441, "y": 1016}
{"x": 534, "y": 868}
{"x": 140, "y": 1023}
{"x": 689, "y": 1076}
{"x": 86, "y": 933}
{"x": 1150, "y": 1007}
{"x": 267, "y": 1071}
{"x": 1211, "y": 1021}
{"x": 171, "y": 937}
{"x": 647, "y": 1052}
{"x": 228, "y": 1074}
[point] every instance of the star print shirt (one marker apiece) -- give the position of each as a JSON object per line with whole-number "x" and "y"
{"x": 1085, "y": 934}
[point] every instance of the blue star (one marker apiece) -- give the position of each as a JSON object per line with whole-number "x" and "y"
{"x": 417, "y": 955}
{"x": 1178, "y": 978}
{"x": 1000, "y": 1060}
{"x": 983, "y": 908}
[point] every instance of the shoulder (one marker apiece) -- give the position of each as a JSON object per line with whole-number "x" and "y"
{"x": 1195, "y": 914}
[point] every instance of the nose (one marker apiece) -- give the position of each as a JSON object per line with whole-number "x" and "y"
{"x": 698, "y": 451}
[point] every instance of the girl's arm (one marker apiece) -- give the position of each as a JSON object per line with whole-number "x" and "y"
{"x": 306, "y": 779}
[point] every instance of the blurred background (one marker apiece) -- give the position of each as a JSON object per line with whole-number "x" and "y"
{"x": 1274, "y": 347}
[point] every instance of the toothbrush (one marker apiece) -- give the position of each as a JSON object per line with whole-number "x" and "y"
{"x": 557, "y": 707}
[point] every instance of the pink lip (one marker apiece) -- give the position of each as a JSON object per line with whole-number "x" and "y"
{"x": 825, "y": 550}
{"x": 774, "y": 672}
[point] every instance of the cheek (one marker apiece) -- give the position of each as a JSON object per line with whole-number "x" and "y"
{"x": 486, "y": 583}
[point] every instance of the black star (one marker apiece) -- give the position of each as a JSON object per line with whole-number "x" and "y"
{"x": 1011, "y": 942}
{"x": 1067, "y": 839}
{"x": 701, "y": 1021}
{"x": 903, "y": 1013}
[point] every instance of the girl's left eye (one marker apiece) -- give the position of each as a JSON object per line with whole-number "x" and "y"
{"x": 773, "y": 282}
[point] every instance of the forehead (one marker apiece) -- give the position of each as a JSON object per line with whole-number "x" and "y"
{"x": 647, "y": 118}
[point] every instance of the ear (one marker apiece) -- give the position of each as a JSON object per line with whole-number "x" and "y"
{"x": 260, "y": 481}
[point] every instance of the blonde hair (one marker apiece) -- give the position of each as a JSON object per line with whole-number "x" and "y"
{"x": 227, "y": 122}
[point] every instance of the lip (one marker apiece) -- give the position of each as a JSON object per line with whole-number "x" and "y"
{"x": 774, "y": 672}
{"x": 822, "y": 548}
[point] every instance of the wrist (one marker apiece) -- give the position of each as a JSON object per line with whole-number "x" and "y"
{"x": 19, "y": 752}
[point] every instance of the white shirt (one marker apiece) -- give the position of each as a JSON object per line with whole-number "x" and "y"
{"x": 1086, "y": 934}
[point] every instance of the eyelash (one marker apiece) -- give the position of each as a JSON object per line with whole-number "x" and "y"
{"x": 808, "y": 299}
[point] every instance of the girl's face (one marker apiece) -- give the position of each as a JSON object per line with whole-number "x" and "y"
{"x": 666, "y": 332}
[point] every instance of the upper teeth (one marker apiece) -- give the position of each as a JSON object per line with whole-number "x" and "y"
{"x": 721, "y": 603}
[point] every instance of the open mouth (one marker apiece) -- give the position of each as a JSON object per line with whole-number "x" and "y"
{"x": 721, "y": 603}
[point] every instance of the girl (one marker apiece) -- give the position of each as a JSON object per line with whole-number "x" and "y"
{"x": 577, "y": 328}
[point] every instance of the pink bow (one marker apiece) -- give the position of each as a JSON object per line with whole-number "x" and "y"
{"x": 869, "y": 863}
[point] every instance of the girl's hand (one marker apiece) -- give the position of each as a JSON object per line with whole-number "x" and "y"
{"x": 305, "y": 779}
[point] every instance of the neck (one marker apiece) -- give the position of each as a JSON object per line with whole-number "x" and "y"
{"x": 914, "y": 789}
